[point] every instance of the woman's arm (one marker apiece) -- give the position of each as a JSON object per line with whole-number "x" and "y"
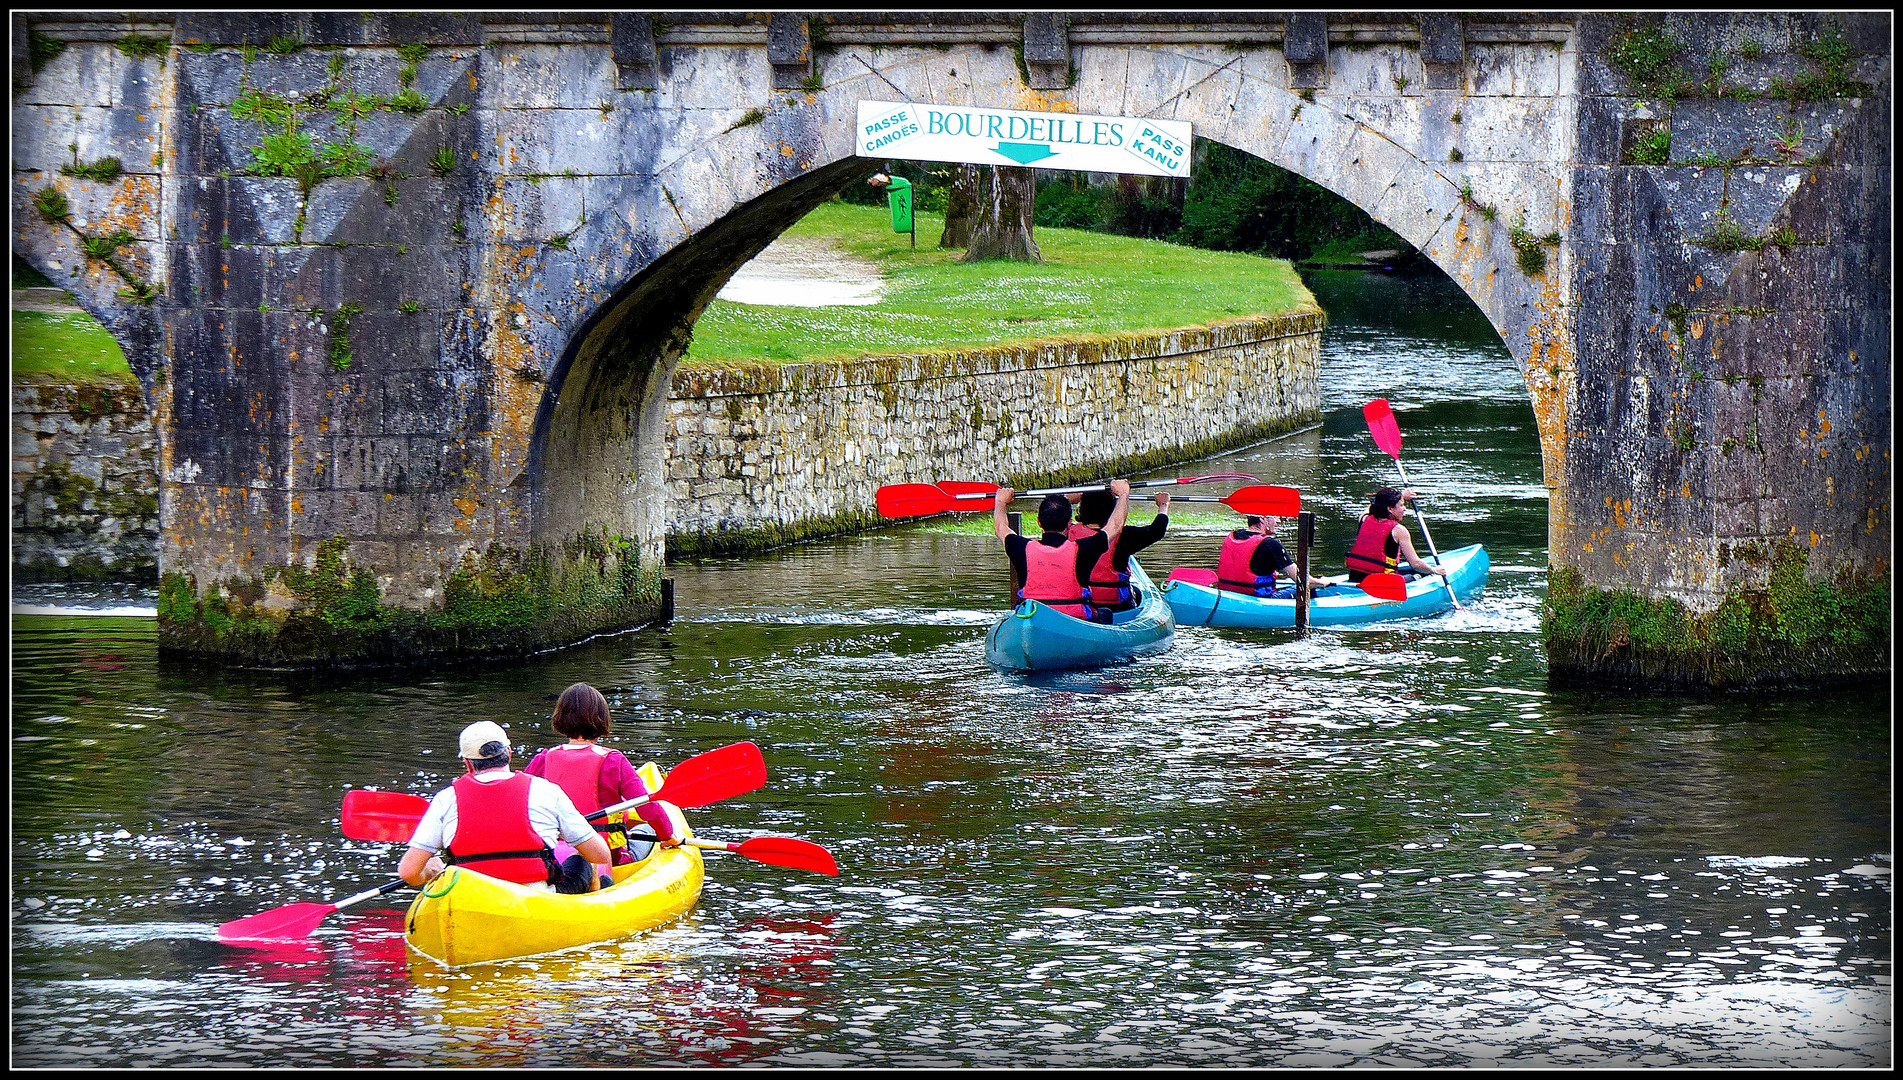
{"x": 1418, "y": 563}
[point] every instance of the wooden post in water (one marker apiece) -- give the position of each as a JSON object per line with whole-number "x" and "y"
{"x": 667, "y": 600}
{"x": 1304, "y": 536}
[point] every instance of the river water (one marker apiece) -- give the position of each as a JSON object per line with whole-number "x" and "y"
{"x": 1383, "y": 846}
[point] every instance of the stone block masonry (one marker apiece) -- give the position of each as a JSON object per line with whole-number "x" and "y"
{"x": 761, "y": 456}
{"x": 85, "y": 484}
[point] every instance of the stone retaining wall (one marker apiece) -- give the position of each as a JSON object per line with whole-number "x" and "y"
{"x": 85, "y": 483}
{"x": 762, "y": 456}
{"x": 766, "y": 455}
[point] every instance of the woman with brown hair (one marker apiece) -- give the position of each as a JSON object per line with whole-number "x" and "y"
{"x": 594, "y": 776}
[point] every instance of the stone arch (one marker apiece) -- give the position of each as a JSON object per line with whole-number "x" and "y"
{"x": 596, "y": 459}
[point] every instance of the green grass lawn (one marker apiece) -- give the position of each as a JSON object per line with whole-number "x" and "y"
{"x": 1089, "y": 283}
{"x": 66, "y": 349}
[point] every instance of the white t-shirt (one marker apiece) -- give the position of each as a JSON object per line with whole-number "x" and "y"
{"x": 552, "y": 814}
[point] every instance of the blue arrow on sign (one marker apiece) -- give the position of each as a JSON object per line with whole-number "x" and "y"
{"x": 1025, "y": 153}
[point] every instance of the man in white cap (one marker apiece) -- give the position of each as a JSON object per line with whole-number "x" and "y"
{"x": 500, "y": 823}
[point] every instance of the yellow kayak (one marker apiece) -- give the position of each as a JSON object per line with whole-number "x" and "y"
{"x": 463, "y": 917}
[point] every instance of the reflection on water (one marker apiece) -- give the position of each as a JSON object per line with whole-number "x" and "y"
{"x": 1386, "y": 845}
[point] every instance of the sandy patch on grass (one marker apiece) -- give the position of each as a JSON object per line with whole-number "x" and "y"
{"x": 805, "y": 272}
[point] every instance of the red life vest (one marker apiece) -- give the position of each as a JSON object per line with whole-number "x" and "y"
{"x": 1232, "y": 566}
{"x": 1374, "y": 550}
{"x": 1050, "y": 578}
{"x": 493, "y": 834}
{"x": 1107, "y": 586}
{"x": 577, "y": 772}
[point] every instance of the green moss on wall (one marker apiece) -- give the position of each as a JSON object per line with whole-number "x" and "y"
{"x": 1794, "y": 631}
{"x": 333, "y": 614}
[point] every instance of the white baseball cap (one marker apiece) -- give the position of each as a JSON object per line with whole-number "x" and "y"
{"x": 479, "y": 735}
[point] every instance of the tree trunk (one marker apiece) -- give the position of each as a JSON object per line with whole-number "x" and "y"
{"x": 1006, "y": 199}
{"x": 961, "y": 204}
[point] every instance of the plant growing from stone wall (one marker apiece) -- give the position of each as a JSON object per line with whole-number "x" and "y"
{"x": 1468, "y": 200}
{"x": 286, "y": 150}
{"x": 340, "y": 355}
{"x": 104, "y": 247}
{"x": 41, "y": 49}
{"x": 1651, "y": 149}
{"x": 1530, "y": 249}
{"x": 143, "y": 48}
{"x": 750, "y": 117}
{"x": 54, "y": 208}
{"x": 105, "y": 170}
{"x": 52, "y": 204}
{"x": 1646, "y": 55}
{"x": 1727, "y": 236}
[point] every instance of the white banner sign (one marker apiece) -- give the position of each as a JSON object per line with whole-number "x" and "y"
{"x": 1118, "y": 144}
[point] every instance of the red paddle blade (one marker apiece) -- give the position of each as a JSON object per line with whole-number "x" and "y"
{"x": 288, "y": 922}
{"x": 1193, "y": 576}
{"x": 1381, "y": 425}
{"x": 1266, "y": 500}
{"x": 914, "y": 500}
{"x": 786, "y": 851}
{"x": 1385, "y": 586}
{"x": 381, "y": 815}
{"x": 715, "y": 775}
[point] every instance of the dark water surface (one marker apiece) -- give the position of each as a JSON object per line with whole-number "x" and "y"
{"x": 1389, "y": 846}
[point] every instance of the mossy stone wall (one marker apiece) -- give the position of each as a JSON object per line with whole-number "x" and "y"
{"x": 85, "y": 484}
{"x": 760, "y": 456}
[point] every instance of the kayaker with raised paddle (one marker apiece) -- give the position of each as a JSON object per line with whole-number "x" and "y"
{"x": 500, "y": 823}
{"x": 1055, "y": 568}
{"x": 1251, "y": 557}
{"x": 1110, "y": 588}
{"x": 1383, "y": 540}
{"x": 593, "y": 776}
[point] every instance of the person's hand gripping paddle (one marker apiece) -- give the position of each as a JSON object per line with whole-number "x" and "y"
{"x": 1387, "y": 436}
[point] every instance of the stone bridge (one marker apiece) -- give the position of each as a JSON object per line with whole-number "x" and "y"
{"x": 405, "y": 291}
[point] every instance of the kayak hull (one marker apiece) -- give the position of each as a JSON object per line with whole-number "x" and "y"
{"x": 1035, "y": 638}
{"x": 463, "y": 917}
{"x": 1201, "y": 605}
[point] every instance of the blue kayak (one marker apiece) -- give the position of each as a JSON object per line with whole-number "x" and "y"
{"x": 1035, "y": 638}
{"x": 1200, "y": 605}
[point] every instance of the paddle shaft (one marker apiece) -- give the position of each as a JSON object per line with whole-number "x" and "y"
{"x": 1427, "y": 536}
{"x": 690, "y": 841}
{"x": 387, "y": 886}
{"x": 1105, "y": 486}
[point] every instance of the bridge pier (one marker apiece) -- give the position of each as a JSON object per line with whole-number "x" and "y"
{"x": 1727, "y": 424}
{"x": 404, "y": 292}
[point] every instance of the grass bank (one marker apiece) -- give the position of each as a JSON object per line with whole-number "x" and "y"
{"x": 1089, "y": 283}
{"x": 69, "y": 349}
